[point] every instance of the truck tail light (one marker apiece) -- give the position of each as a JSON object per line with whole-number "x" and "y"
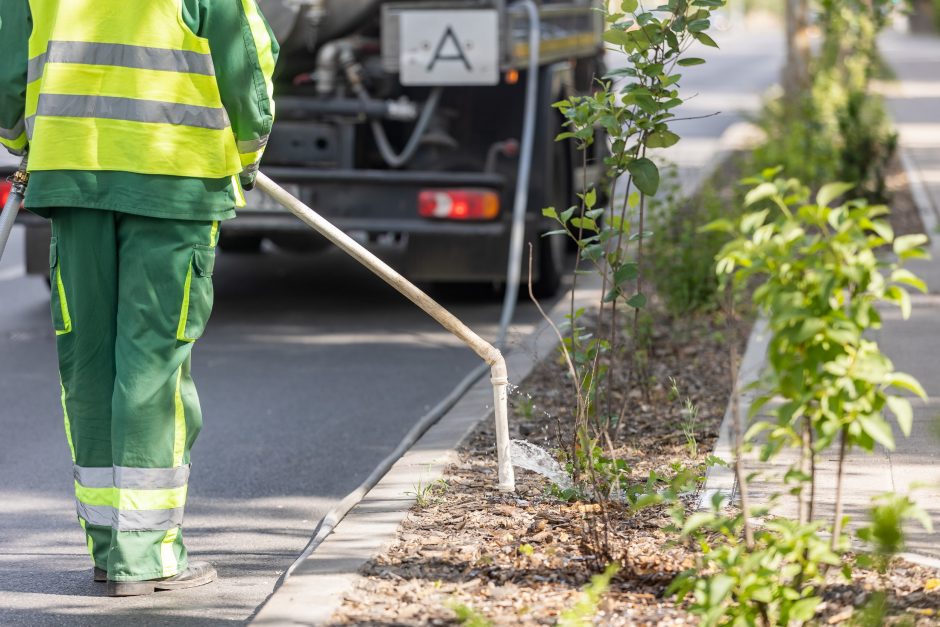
{"x": 5, "y": 188}
{"x": 458, "y": 204}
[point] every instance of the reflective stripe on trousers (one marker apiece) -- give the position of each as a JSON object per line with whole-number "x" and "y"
{"x": 132, "y": 499}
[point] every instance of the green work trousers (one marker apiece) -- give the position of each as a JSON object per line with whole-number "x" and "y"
{"x": 130, "y": 295}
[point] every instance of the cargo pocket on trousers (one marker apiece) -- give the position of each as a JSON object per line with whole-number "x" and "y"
{"x": 61, "y": 320}
{"x": 198, "y": 295}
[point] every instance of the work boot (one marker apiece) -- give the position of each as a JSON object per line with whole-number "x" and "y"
{"x": 198, "y": 574}
{"x": 101, "y": 575}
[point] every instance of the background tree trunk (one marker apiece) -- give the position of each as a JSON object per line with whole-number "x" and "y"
{"x": 922, "y": 16}
{"x": 796, "y": 78}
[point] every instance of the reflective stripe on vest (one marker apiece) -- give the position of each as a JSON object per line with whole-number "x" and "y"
{"x": 120, "y": 55}
{"x": 111, "y": 108}
{"x": 13, "y": 133}
{"x": 14, "y": 139}
{"x": 130, "y": 91}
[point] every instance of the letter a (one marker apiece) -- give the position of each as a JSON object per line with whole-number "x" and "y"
{"x": 449, "y": 36}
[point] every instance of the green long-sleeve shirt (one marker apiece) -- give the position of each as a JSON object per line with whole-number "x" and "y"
{"x": 236, "y": 55}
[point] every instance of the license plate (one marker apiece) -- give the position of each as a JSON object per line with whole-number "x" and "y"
{"x": 449, "y": 47}
{"x": 257, "y": 200}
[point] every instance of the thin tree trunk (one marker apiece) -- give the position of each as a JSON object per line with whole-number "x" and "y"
{"x": 806, "y": 460}
{"x": 837, "y": 517}
{"x": 796, "y": 78}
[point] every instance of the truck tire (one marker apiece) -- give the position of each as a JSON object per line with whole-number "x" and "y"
{"x": 245, "y": 244}
{"x": 551, "y": 184}
{"x": 553, "y": 248}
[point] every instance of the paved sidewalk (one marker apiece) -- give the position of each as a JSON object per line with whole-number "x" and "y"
{"x": 914, "y": 344}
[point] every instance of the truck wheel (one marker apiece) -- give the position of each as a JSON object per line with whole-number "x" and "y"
{"x": 552, "y": 253}
{"x": 553, "y": 249}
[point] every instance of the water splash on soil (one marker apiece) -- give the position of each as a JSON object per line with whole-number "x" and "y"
{"x": 531, "y": 457}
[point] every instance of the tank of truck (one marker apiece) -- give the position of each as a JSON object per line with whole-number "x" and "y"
{"x": 304, "y": 24}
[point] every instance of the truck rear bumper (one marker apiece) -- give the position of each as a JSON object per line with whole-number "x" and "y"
{"x": 377, "y": 199}
{"x": 380, "y": 209}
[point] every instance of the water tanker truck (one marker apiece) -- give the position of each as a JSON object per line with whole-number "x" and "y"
{"x": 401, "y": 122}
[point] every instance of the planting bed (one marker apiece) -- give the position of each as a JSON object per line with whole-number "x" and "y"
{"x": 467, "y": 552}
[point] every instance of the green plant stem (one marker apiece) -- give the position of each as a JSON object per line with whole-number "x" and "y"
{"x": 571, "y": 319}
{"x": 639, "y": 290}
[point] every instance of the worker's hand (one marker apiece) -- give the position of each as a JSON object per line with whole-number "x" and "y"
{"x": 247, "y": 181}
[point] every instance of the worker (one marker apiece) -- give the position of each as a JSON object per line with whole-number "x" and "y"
{"x": 143, "y": 122}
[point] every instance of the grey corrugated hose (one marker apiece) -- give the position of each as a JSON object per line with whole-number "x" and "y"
{"x": 12, "y": 207}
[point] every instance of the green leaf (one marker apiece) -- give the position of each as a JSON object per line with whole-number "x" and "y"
{"x": 629, "y": 6}
{"x": 901, "y": 408}
{"x": 878, "y": 430}
{"x": 627, "y": 272}
{"x": 907, "y": 382}
{"x": 804, "y": 609}
{"x": 586, "y": 224}
{"x": 645, "y": 175}
{"x": 590, "y": 199}
{"x": 761, "y": 192}
{"x": 757, "y": 428}
{"x": 900, "y": 296}
{"x": 830, "y": 192}
{"x": 617, "y": 37}
{"x": 697, "y": 26}
{"x": 721, "y": 225}
{"x": 754, "y": 220}
{"x": 637, "y": 301}
{"x": 905, "y": 243}
{"x": 549, "y": 212}
{"x": 696, "y": 521}
{"x": 689, "y": 61}
{"x": 719, "y": 588}
{"x": 883, "y": 229}
{"x": 908, "y": 278}
{"x": 662, "y": 139}
{"x": 705, "y": 40}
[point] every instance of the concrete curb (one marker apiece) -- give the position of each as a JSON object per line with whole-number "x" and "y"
{"x": 721, "y": 480}
{"x": 929, "y": 212}
{"x": 315, "y": 590}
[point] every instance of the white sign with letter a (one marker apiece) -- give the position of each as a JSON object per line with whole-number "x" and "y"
{"x": 449, "y": 47}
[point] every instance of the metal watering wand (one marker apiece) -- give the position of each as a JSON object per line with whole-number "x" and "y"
{"x": 499, "y": 375}
{"x": 12, "y": 207}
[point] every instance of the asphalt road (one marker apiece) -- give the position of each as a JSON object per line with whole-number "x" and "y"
{"x": 310, "y": 373}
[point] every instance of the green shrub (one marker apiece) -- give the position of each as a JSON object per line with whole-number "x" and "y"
{"x": 837, "y": 130}
{"x": 682, "y": 264}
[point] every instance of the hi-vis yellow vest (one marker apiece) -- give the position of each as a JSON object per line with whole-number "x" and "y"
{"x": 124, "y": 85}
